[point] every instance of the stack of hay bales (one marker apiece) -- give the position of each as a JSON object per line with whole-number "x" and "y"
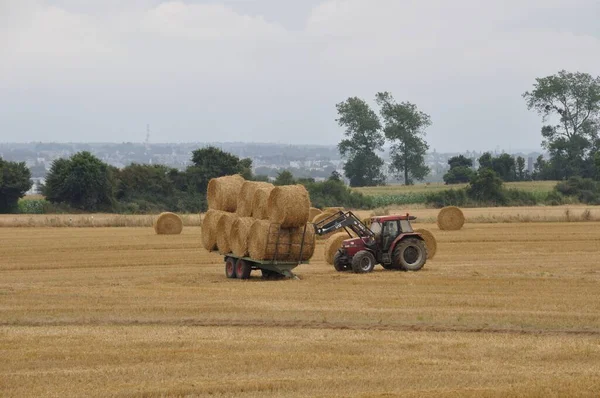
{"x": 257, "y": 219}
{"x": 168, "y": 224}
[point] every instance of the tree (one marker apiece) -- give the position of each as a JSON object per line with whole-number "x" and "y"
{"x": 284, "y": 177}
{"x": 83, "y": 181}
{"x": 504, "y": 165}
{"x": 461, "y": 170}
{"x": 335, "y": 176}
{"x": 212, "y": 162}
{"x": 15, "y": 181}
{"x": 363, "y": 137}
{"x": 573, "y": 99}
{"x": 486, "y": 186}
{"x": 405, "y": 127}
{"x": 521, "y": 172}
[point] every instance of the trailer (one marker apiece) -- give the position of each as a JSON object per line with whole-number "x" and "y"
{"x": 241, "y": 267}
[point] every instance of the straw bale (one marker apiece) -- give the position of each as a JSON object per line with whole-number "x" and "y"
{"x": 308, "y": 249}
{"x": 259, "y": 203}
{"x": 450, "y": 218}
{"x": 244, "y": 204}
{"x": 168, "y": 224}
{"x": 263, "y": 242}
{"x": 313, "y": 212}
{"x": 223, "y": 192}
{"x": 333, "y": 243}
{"x": 239, "y": 235}
{"x": 289, "y": 206}
{"x": 223, "y": 232}
{"x": 209, "y": 229}
{"x": 430, "y": 242}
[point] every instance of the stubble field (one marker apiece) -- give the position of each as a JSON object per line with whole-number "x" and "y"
{"x": 504, "y": 309}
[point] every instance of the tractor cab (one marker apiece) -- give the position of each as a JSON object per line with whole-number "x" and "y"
{"x": 388, "y": 228}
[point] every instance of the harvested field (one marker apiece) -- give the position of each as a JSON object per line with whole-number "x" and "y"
{"x": 502, "y": 310}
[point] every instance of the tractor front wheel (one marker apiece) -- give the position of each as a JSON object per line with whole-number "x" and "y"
{"x": 410, "y": 254}
{"x": 363, "y": 262}
{"x": 338, "y": 263}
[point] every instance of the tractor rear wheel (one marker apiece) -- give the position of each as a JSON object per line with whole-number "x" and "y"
{"x": 242, "y": 269}
{"x": 230, "y": 267}
{"x": 410, "y": 254}
{"x": 338, "y": 264}
{"x": 363, "y": 262}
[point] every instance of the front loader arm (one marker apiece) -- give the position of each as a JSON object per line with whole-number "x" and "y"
{"x": 343, "y": 220}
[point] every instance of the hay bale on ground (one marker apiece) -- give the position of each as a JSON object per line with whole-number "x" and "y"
{"x": 168, "y": 224}
{"x": 223, "y": 232}
{"x": 289, "y": 206}
{"x": 223, "y": 192}
{"x": 313, "y": 212}
{"x": 308, "y": 249}
{"x": 450, "y": 218}
{"x": 333, "y": 243}
{"x": 263, "y": 243}
{"x": 209, "y": 229}
{"x": 259, "y": 203}
{"x": 238, "y": 239}
{"x": 430, "y": 242}
{"x": 244, "y": 204}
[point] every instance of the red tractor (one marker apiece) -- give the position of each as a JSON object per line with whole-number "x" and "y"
{"x": 389, "y": 241}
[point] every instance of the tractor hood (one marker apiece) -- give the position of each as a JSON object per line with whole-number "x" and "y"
{"x": 355, "y": 242}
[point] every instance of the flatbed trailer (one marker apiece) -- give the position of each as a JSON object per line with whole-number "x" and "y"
{"x": 241, "y": 267}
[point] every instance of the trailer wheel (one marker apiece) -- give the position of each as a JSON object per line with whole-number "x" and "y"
{"x": 363, "y": 262}
{"x": 230, "y": 267}
{"x": 242, "y": 269}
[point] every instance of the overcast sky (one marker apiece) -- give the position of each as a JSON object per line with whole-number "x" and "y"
{"x": 273, "y": 70}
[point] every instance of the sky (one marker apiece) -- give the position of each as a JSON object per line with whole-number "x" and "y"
{"x": 273, "y": 70}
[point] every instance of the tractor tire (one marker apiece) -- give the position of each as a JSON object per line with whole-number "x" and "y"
{"x": 242, "y": 269}
{"x": 410, "y": 254}
{"x": 230, "y": 267}
{"x": 363, "y": 262}
{"x": 338, "y": 265}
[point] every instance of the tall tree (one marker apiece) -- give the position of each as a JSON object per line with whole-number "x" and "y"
{"x": 83, "y": 181}
{"x": 212, "y": 162}
{"x": 405, "y": 127}
{"x": 573, "y": 101}
{"x": 363, "y": 137}
{"x": 521, "y": 172}
{"x": 15, "y": 181}
{"x": 461, "y": 170}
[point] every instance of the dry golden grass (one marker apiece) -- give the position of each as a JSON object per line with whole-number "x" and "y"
{"x": 503, "y": 310}
{"x": 529, "y": 186}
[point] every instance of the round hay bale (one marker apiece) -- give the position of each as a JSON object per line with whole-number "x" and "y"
{"x": 259, "y": 203}
{"x": 289, "y": 206}
{"x": 332, "y": 209}
{"x": 168, "y": 223}
{"x": 244, "y": 204}
{"x": 238, "y": 239}
{"x": 223, "y": 232}
{"x": 313, "y": 212}
{"x": 333, "y": 243}
{"x": 308, "y": 249}
{"x": 209, "y": 229}
{"x": 430, "y": 242}
{"x": 223, "y": 192}
{"x": 450, "y": 218}
{"x": 263, "y": 242}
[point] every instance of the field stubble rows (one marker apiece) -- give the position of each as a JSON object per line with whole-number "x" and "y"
{"x": 503, "y": 310}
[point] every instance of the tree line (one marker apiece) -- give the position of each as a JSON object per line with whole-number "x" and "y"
{"x": 569, "y": 104}
{"x": 83, "y": 182}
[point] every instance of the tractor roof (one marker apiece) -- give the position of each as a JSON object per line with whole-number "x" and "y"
{"x": 394, "y": 217}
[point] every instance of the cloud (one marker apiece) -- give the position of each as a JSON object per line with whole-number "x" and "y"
{"x": 194, "y": 66}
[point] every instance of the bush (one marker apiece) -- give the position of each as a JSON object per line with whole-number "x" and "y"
{"x": 449, "y": 197}
{"x": 332, "y": 193}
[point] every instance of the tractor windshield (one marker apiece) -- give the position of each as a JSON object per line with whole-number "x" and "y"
{"x": 376, "y": 228}
{"x": 405, "y": 226}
